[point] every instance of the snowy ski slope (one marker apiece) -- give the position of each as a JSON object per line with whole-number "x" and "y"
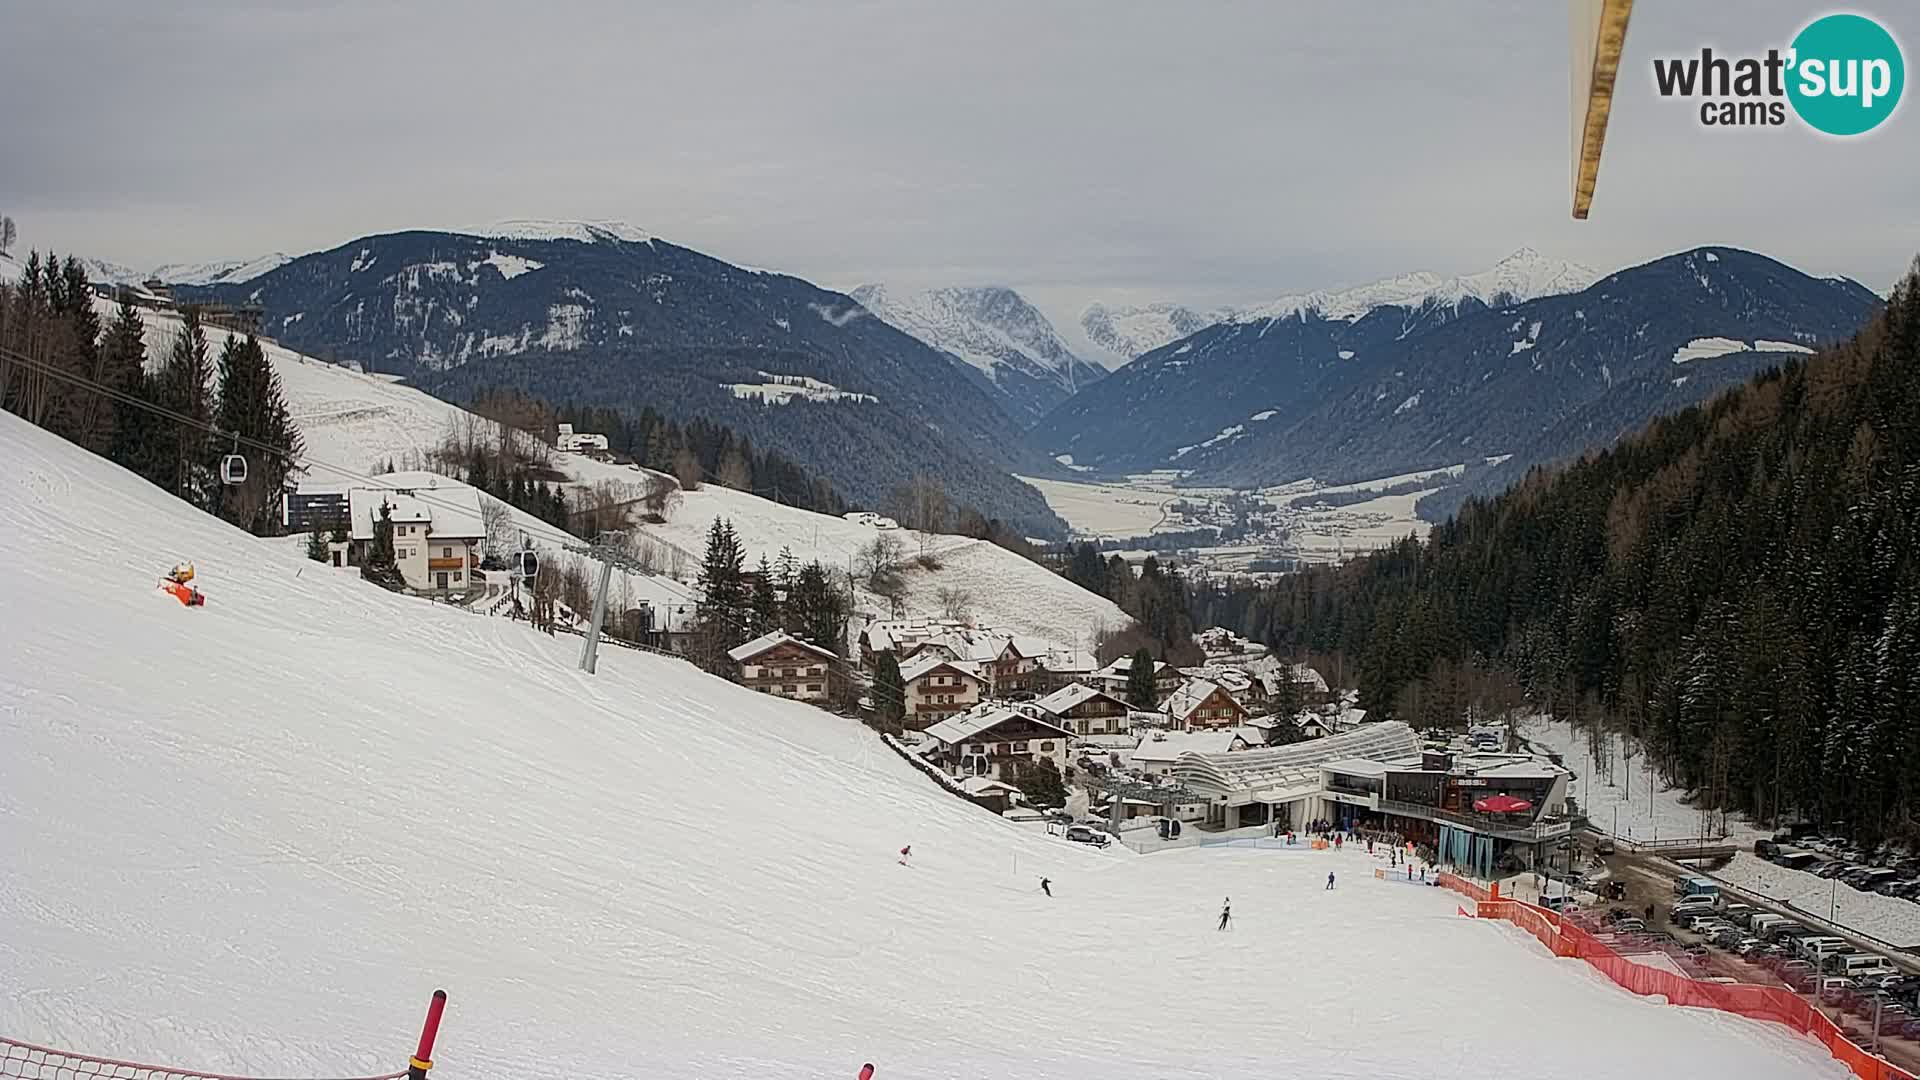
{"x": 253, "y": 836}
{"x": 353, "y": 423}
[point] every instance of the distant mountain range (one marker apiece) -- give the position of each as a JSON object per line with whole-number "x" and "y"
{"x": 222, "y": 271}
{"x": 1528, "y": 362}
{"x": 602, "y": 313}
{"x": 995, "y": 332}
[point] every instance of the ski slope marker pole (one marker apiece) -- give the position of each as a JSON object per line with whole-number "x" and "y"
{"x": 422, "y": 1059}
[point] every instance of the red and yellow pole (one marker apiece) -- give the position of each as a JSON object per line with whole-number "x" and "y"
{"x": 422, "y": 1059}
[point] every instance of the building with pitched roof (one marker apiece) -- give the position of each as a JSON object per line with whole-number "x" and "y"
{"x": 784, "y": 666}
{"x": 996, "y": 742}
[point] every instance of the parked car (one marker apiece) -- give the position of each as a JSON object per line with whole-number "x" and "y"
{"x": 1087, "y": 834}
{"x": 1829, "y": 869}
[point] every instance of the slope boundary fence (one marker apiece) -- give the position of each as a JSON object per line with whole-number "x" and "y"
{"x": 30, "y": 1061}
{"x": 1770, "y": 1003}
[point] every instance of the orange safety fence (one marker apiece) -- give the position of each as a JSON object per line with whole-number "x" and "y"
{"x": 1771, "y": 1003}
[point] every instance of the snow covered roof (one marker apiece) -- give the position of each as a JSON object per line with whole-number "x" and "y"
{"x": 740, "y": 654}
{"x": 1192, "y": 694}
{"x": 1168, "y": 746}
{"x": 1120, "y": 668}
{"x": 1071, "y": 695}
{"x": 981, "y": 785}
{"x": 958, "y": 729}
{"x": 1287, "y": 767}
{"x": 927, "y": 662}
{"x": 1357, "y": 766}
{"x": 449, "y": 508}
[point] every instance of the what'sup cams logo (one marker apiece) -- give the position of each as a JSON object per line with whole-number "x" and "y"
{"x": 1842, "y": 75}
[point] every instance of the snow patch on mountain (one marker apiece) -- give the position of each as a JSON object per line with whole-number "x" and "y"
{"x": 786, "y": 389}
{"x": 512, "y": 266}
{"x": 1707, "y": 348}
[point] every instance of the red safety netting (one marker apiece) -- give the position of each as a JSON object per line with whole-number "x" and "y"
{"x": 1771, "y": 1003}
{"x": 30, "y": 1062}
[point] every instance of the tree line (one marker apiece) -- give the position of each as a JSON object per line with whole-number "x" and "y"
{"x": 1735, "y": 592}
{"x": 1157, "y": 597}
{"x": 171, "y": 420}
{"x": 739, "y": 603}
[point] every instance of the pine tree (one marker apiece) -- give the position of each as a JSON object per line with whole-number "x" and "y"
{"x": 380, "y": 566}
{"x": 724, "y": 612}
{"x": 762, "y": 604}
{"x": 123, "y": 354}
{"x": 182, "y": 387}
{"x": 317, "y": 549}
{"x": 815, "y": 611}
{"x": 889, "y": 695}
{"x": 1039, "y": 780}
{"x": 252, "y": 406}
{"x": 1140, "y": 688}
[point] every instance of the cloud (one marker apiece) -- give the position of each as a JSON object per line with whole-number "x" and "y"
{"x": 1127, "y": 151}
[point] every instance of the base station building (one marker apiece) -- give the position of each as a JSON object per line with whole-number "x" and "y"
{"x": 1381, "y": 777}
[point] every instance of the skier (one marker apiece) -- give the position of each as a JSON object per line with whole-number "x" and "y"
{"x": 905, "y": 852}
{"x": 1329, "y": 881}
{"x": 1046, "y": 886}
{"x": 1226, "y": 912}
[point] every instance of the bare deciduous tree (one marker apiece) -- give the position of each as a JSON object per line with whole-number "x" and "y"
{"x": 7, "y": 234}
{"x": 955, "y": 602}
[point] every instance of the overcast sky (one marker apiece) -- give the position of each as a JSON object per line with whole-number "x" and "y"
{"x": 1205, "y": 152}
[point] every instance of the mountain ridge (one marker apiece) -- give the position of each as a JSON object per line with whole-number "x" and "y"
{"x": 994, "y": 331}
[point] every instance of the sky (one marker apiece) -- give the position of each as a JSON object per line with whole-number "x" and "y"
{"x": 1221, "y": 152}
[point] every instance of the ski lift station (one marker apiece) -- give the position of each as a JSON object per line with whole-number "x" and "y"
{"x": 1380, "y": 777}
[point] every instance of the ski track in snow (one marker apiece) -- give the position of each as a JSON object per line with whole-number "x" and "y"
{"x": 252, "y": 837}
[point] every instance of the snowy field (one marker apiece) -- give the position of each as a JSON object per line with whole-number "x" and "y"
{"x": 252, "y": 837}
{"x": 1888, "y": 918}
{"x": 1328, "y": 534}
{"x": 1006, "y": 592}
{"x": 1115, "y": 510}
{"x": 1641, "y": 814}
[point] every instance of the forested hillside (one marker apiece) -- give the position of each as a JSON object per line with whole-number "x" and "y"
{"x": 1738, "y": 588}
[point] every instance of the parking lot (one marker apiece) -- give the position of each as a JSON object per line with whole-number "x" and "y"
{"x": 1724, "y": 939}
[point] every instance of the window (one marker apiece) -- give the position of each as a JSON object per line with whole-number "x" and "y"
{"x": 456, "y": 575}
{"x": 1046, "y": 748}
{"x": 786, "y": 689}
{"x": 446, "y": 553}
{"x": 766, "y": 689}
{"x": 815, "y": 687}
{"x": 1019, "y": 748}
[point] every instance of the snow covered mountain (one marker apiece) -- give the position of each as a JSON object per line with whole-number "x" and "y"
{"x": 1519, "y": 277}
{"x": 222, "y": 271}
{"x": 1523, "y": 275}
{"x": 997, "y": 333}
{"x": 604, "y": 313}
{"x": 1131, "y": 332}
{"x": 1420, "y": 372}
{"x": 252, "y": 837}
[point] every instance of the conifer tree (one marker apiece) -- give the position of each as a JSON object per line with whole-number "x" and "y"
{"x": 380, "y": 566}
{"x": 889, "y": 695}
{"x": 252, "y": 406}
{"x": 1140, "y": 689}
{"x": 317, "y": 547}
{"x": 182, "y": 386}
{"x": 123, "y": 356}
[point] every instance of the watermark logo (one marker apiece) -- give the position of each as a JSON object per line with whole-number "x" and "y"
{"x": 1842, "y": 75}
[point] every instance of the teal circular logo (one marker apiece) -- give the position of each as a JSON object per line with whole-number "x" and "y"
{"x": 1847, "y": 74}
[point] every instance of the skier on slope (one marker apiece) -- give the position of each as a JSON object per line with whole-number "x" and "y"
{"x": 1226, "y": 912}
{"x": 1329, "y": 887}
{"x": 1046, "y": 886}
{"x": 905, "y": 854}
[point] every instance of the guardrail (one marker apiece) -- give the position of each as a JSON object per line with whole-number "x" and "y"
{"x": 1490, "y": 824}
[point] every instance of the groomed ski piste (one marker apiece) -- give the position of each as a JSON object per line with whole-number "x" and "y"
{"x": 252, "y": 837}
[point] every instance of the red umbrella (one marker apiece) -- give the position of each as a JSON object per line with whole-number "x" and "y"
{"x": 1501, "y": 804}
